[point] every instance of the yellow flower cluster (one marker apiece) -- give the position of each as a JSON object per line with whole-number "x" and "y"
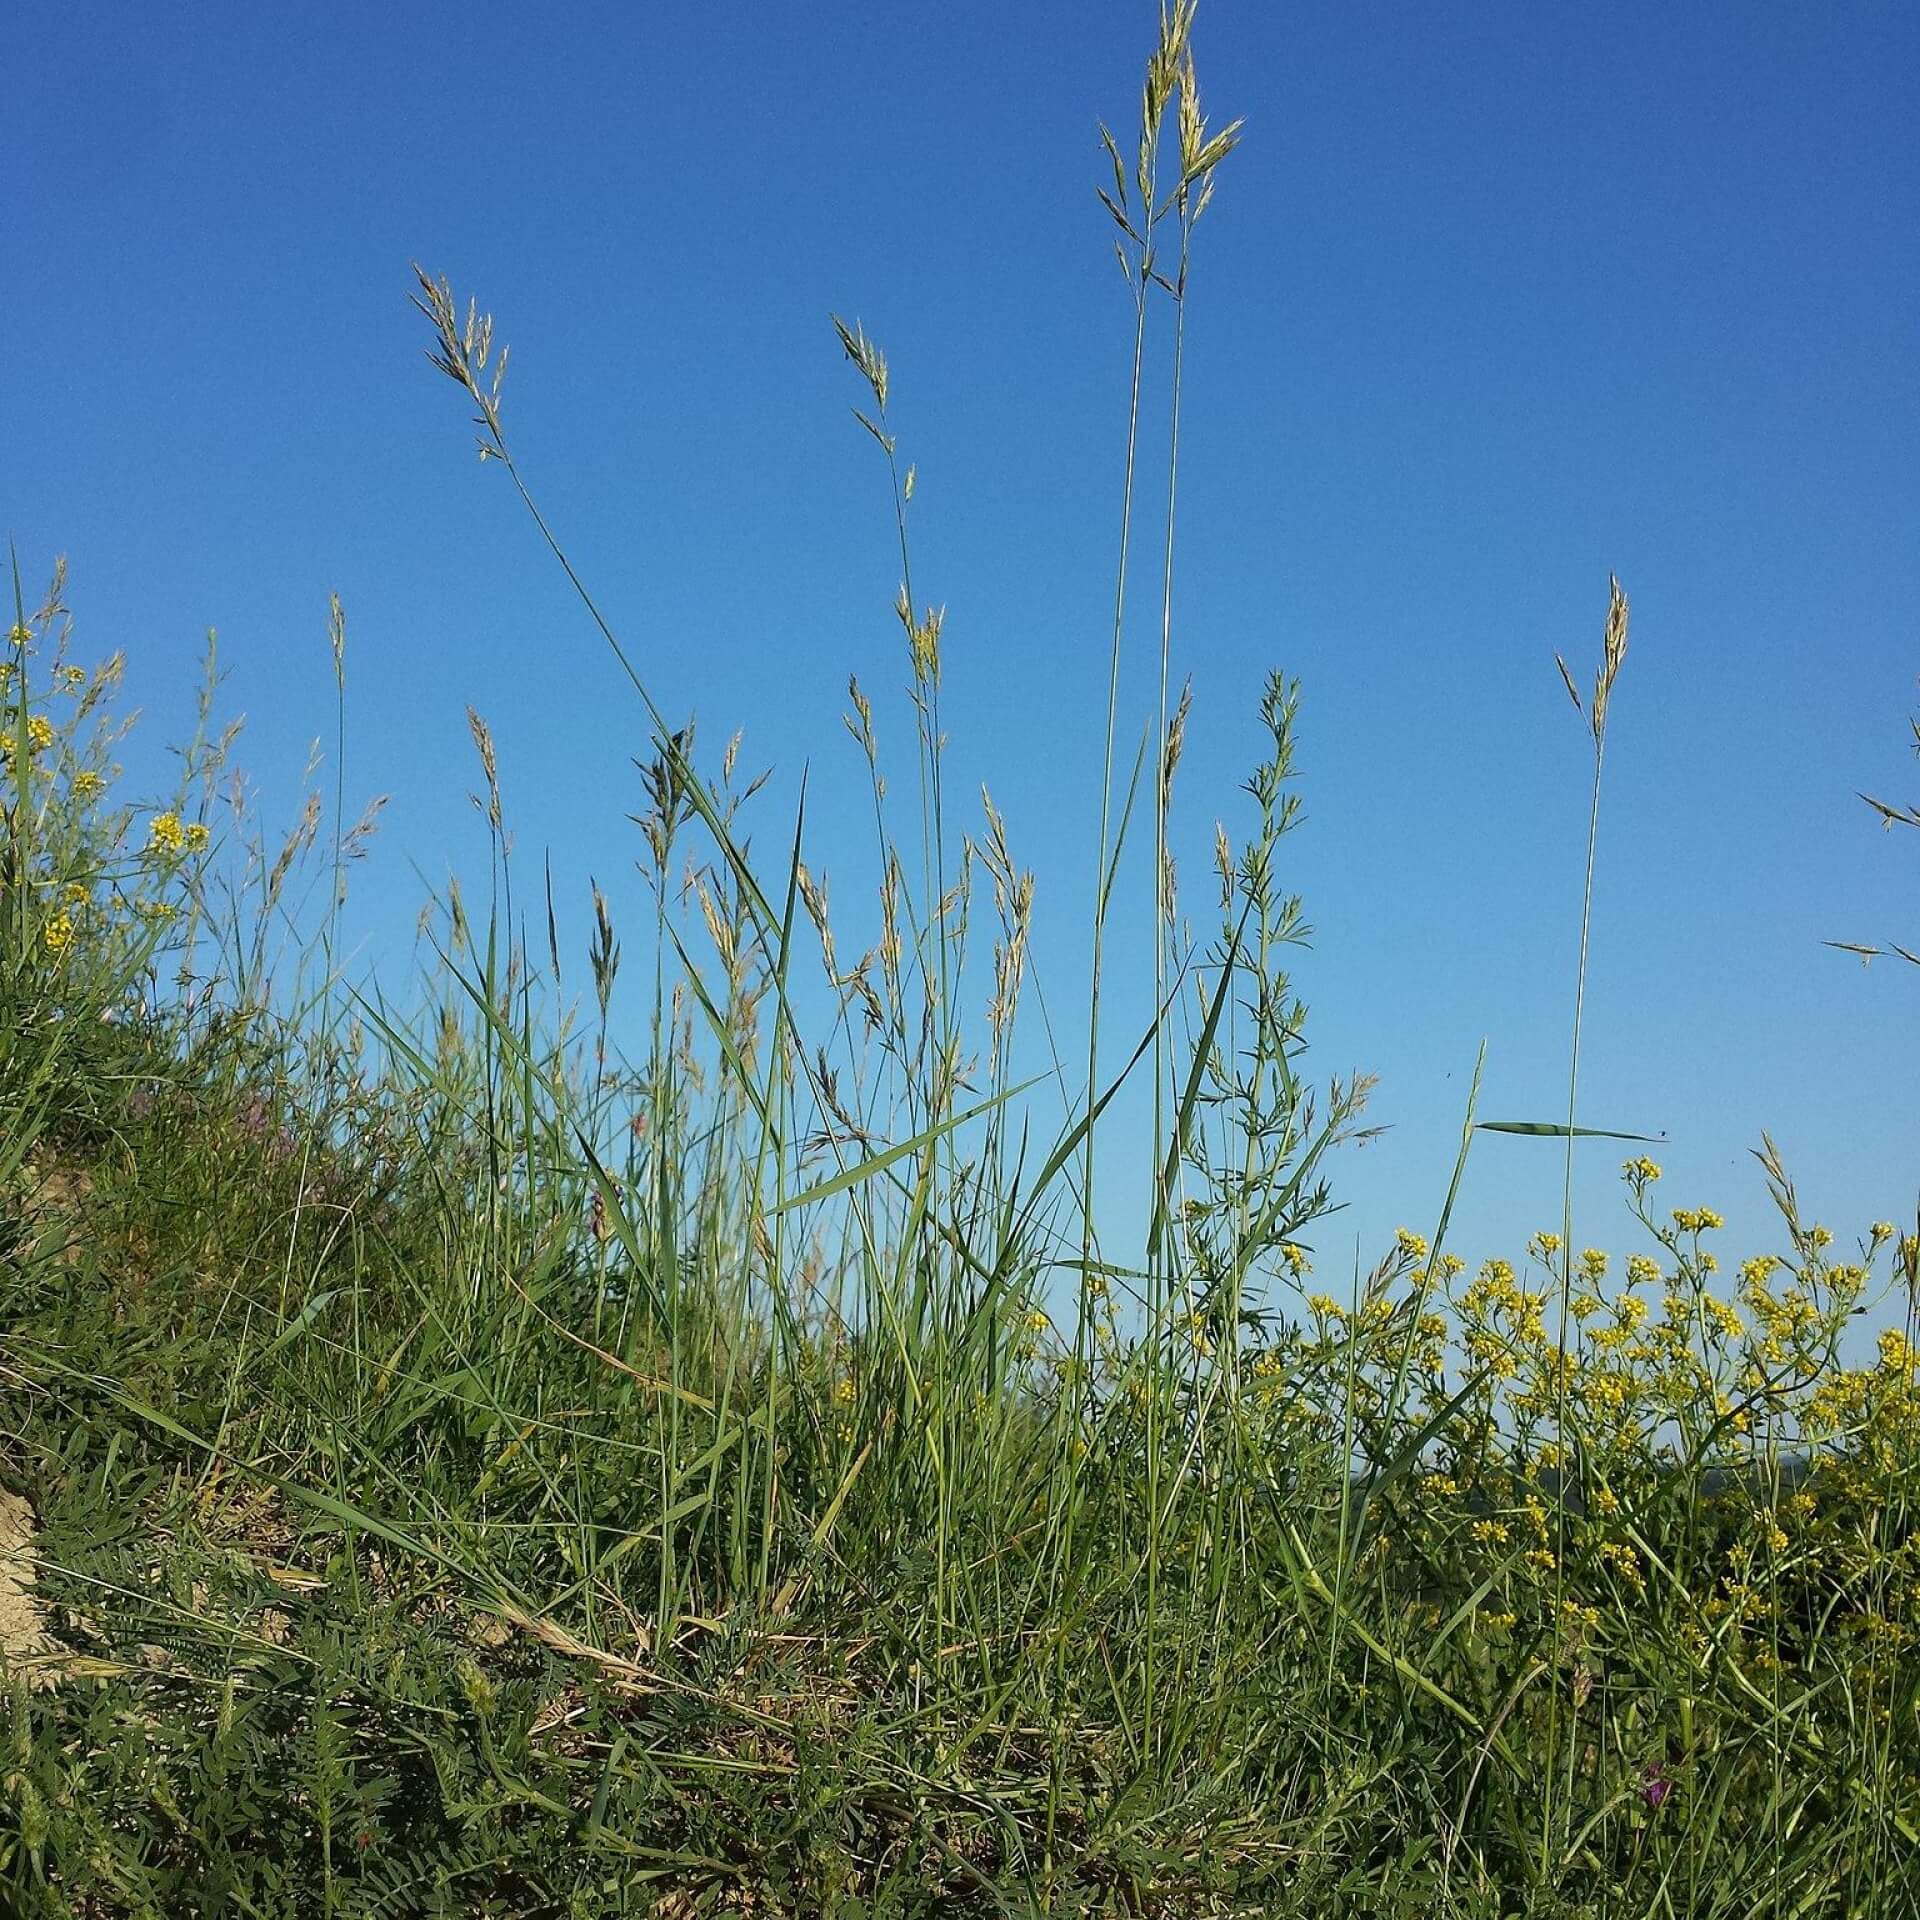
{"x": 1696, "y": 1219}
{"x": 168, "y": 838}
{"x": 39, "y": 736}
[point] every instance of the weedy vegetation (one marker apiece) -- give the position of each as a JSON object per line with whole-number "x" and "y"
{"x": 670, "y": 1451}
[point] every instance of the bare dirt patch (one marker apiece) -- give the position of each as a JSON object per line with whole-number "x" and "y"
{"x": 25, "y": 1643}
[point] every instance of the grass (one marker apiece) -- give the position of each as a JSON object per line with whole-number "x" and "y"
{"x": 478, "y": 1472}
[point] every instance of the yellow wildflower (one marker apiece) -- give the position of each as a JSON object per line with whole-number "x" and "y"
{"x": 1696, "y": 1219}
{"x": 58, "y": 932}
{"x": 1723, "y": 1317}
{"x": 87, "y": 783}
{"x": 1622, "y": 1559}
{"x": 165, "y": 834}
{"x": 1410, "y": 1245}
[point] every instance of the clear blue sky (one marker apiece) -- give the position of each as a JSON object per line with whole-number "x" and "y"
{"x": 1493, "y": 299}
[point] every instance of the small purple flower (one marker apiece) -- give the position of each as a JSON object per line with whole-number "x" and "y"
{"x": 1657, "y": 1787}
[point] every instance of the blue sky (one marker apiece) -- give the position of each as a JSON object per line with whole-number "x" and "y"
{"x": 1492, "y": 300}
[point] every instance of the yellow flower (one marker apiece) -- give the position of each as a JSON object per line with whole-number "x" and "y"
{"x": 1641, "y": 1170}
{"x": 19, "y": 636}
{"x": 1410, "y": 1245}
{"x": 1325, "y": 1307}
{"x": 165, "y": 834}
{"x": 1696, "y": 1219}
{"x": 159, "y": 911}
{"x": 1578, "y": 1619}
{"x": 1642, "y": 1272}
{"x": 58, "y": 932}
{"x": 1896, "y": 1351}
{"x": 197, "y": 837}
{"x": 1723, "y": 1317}
{"x": 87, "y": 783}
{"x": 1548, "y": 1244}
{"x": 1541, "y": 1559}
{"x": 1296, "y": 1258}
{"x": 1883, "y": 1230}
{"x": 1593, "y": 1264}
{"x": 1622, "y": 1559}
{"x": 1607, "y": 1390}
{"x": 1489, "y": 1533}
{"x": 843, "y": 1392}
{"x": 71, "y": 679}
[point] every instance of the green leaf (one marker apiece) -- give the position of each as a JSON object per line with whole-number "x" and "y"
{"x": 1556, "y": 1130}
{"x": 867, "y": 1168}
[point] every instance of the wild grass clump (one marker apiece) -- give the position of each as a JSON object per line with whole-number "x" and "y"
{"x": 686, "y": 1451}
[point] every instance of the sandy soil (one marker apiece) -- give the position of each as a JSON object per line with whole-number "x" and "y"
{"x": 25, "y": 1643}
